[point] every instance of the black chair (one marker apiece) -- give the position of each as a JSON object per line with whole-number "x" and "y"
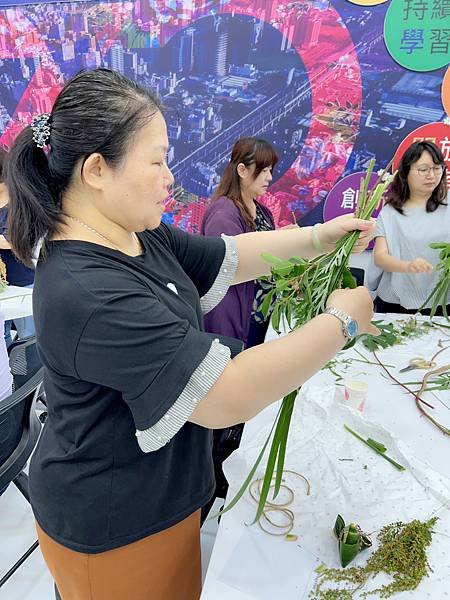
{"x": 24, "y": 360}
{"x": 19, "y": 432}
{"x": 358, "y": 274}
{"x": 27, "y": 372}
{"x": 226, "y": 440}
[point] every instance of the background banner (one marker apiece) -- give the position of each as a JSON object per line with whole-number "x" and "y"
{"x": 314, "y": 78}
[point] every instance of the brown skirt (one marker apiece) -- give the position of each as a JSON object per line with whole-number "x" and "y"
{"x": 162, "y": 566}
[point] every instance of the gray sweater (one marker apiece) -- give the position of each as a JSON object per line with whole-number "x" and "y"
{"x": 408, "y": 237}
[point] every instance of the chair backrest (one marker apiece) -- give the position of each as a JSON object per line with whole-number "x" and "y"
{"x": 358, "y": 274}
{"x": 24, "y": 361}
{"x": 19, "y": 428}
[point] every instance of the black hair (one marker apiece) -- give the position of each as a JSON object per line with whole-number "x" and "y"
{"x": 3, "y": 154}
{"x": 248, "y": 151}
{"x": 96, "y": 111}
{"x": 399, "y": 191}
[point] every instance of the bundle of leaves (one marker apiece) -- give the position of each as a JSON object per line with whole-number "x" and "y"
{"x": 301, "y": 288}
{"x": 440, "y": 293}
{"x": 392, "y": 334}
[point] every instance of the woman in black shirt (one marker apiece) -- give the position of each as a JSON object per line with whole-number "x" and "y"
{"x": 133, "y": 383}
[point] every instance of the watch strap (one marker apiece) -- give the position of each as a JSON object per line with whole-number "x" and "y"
{"x": 343, "y": 317}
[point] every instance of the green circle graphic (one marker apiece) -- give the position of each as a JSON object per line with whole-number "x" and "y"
{"x": 417, "y": 33}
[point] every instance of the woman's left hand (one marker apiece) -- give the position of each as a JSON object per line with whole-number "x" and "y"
{"x": 332, "y": 231}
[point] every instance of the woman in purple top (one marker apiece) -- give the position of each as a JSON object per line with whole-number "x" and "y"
{"x": 234, "y": 209}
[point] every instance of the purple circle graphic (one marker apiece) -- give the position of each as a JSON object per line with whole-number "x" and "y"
{"x": 343, "y": 196}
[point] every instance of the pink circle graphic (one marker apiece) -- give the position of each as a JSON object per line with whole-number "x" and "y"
{"x": 317, "y": 34}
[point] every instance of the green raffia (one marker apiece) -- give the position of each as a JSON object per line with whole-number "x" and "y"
{"x": 276, "y": 457}
{"x": 276, "y": 454}
{"x": 289, "y": 407}
{"x": 249, "y": 477}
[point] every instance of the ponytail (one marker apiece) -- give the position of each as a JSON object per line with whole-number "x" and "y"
{"x": 34, "y": 210}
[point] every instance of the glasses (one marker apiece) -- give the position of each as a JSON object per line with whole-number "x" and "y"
{"x": 437, "y": 170}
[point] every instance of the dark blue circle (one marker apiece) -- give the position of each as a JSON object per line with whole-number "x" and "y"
{"x": 224, "y": 77}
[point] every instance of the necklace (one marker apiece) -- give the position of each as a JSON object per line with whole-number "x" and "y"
{"x": 100, "y": 235}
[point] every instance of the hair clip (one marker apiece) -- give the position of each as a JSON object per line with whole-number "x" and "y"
{"x": 41, "y": 129}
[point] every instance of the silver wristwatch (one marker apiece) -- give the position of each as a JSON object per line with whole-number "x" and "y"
{"x": 349, "y": 325}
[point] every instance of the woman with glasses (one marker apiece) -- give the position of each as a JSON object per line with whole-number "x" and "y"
{"x": 415, "y": 214}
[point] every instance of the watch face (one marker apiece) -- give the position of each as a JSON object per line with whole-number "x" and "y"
{"x": 352, "y": 328}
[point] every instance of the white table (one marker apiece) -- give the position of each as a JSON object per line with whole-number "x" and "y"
{"x": 272, "y": 567}
{"x": 16, "y": 302}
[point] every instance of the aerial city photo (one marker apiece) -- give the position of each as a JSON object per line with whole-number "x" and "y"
{"x": 286, "y": 71}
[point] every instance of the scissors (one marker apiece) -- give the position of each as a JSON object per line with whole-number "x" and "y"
{"x": 418, "y": 363}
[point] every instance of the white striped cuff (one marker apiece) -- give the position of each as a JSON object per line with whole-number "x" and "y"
{"x": 224, "y": 278}
{"x": 199, "y": 384}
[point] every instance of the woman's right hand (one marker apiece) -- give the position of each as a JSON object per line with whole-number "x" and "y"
{"x": 358, "y": 304}
{"x": 419, "y": 265}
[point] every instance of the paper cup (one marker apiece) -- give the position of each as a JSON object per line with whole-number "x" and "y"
{"x": 355, "y": 393}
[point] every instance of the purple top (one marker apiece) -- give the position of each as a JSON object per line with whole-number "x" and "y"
{"x": 232, "y": 316}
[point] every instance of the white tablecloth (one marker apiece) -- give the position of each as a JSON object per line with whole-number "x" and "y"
{"x": 16, "y": 302}
{"x": 247, "y": 564}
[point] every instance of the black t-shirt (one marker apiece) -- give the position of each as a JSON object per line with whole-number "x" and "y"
{"x": 119, "y": 347}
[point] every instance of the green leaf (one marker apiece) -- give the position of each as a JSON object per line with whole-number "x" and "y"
{"x": 321, "y": 568}
{"x": 283, "y": 271}
{"x": 350, "y": 344}
{"x": 274, "y": 260}
{"x": 366, "y": 184}
{"x": 361, "y": 198}
{"x": 349, "y": 546}
{"x": 270, "y": 467}
{"x": 348, "y": 281}
{"x": 288, "y": 402}
{"x": 389, "y": 336}
{"x": 439, "y": 246}
{"x": 276, "y": 318}
{"x": 338, "y": 526}
{"x": 266, "y": 303}
{"x": 351, "y": 535}
{"x": 296, "y": 260}
{"x": 376, "y": 445}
